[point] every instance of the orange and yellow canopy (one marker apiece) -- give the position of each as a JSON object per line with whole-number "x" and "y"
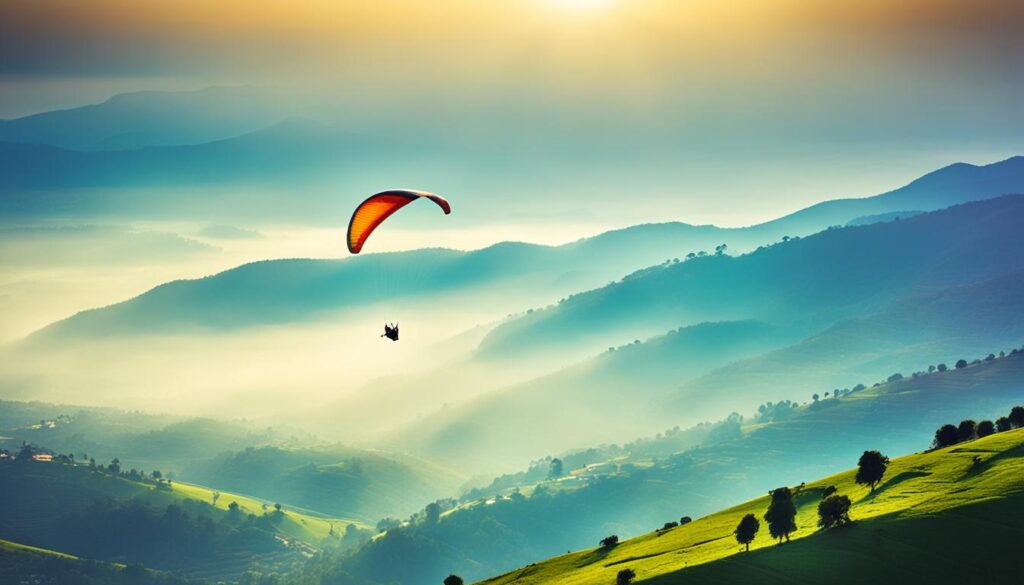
{"x": 372, "y": 212}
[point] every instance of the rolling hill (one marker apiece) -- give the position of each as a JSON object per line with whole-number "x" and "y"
{"x": 98, "y": 510}
{"x": 350, "y": 483}
{"x": 28, "y": 564}
{"x": 946, "y": 515}
{"x": 633, "y": 488}
{"x": 843, "y": 306}
{"x": 149, "y": 118}
{"x": 288, "y": 290}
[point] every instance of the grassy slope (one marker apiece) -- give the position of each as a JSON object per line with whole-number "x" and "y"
{"x": 77, "y": 486}
{"x": 933, "y": 516}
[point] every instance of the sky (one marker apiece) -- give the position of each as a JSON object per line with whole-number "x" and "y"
{"x": 559, "y": 118}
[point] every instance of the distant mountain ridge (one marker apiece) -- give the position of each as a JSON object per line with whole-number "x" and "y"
{"x": 149, "y": 118}
{"x": 282, "y": 290}
{"x": 952, "y": 278}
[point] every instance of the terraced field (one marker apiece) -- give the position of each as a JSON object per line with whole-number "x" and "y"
{"x": 940, "y": 516}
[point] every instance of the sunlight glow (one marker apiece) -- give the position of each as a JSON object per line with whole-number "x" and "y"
{"x": 588, "y": 5}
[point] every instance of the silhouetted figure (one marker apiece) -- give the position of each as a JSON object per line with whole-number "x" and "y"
{"x": 391, "y": 331}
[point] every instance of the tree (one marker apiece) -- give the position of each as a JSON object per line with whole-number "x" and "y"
{"x": 610, "y": 541}
{"x": 555, "y": 469}
{"x": 942, "y": 367}
{"x": 966, "y": 429}
{"x": 233, "y": 507}
{"x": 985, "y": 428}
{"x": 156, "y": 474}
{"x": 828, "y": 491}
{"x": 833, "y": 511}
{"x": 990, "y": 357}
{"x": 215, "y": 496}
{"x": 1017, "y": 416}
{"x": 946, "y": 435}
{"x": 871, "y": 468}
{"x": 746, "y": 530}
{"x": 815, "y": 396}
{"x": 961, "y": 364}
{"x": 277, "y": 508}
{"x": 1003, "y": 424}
{"x": 432, "y": 513}
{"x": 685, "y": 520}
{"x": 625, "y": 577}
{"x": 669, "y": 525}
{"x": 453, "y": 580}
{"x": 781, "y": 514}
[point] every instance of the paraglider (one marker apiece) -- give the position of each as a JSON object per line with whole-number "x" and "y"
{"x": 372, "y": 212}
{"x": 377, "y": 208}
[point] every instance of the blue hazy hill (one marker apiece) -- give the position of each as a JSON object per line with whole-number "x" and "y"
{"x": 284, "y": 290}
{"x": 149, "y": 118}
{"x": 804, "y": 284}
{"x": 845, "y": 306}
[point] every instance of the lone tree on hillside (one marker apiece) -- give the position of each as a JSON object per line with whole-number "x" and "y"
{"x": 946, "y": 435}
{"x": 609, "y": 541}
{"x": 1017, "y": 416}
{"x": 746, "y": 530}
{"x": 1003, "y": 424}
{"x": 871, "y": 468}
{"x": 833, "y": 511}
{"x": 781, "y": 514}
{"x": 555, "y": 470}
{"x": 685, "y": 520}
{"x": 961, "y": 364}
{"x": 985, "y": 428}
{"x": 453, "y": 580}
{"x": 965, "y": 430}
{"x": 625, "y": 577}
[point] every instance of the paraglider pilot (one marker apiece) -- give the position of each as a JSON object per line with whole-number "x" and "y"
{"x": 391, "y": 331}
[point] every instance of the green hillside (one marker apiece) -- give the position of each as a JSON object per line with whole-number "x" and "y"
{"x": 98, "y": 511}
{"x": 936, "y": 517}
{"x": 29, "y": 564}
{"x": 336, "y": 480}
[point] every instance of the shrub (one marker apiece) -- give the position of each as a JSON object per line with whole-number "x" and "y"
{"x": 833, "y": 511}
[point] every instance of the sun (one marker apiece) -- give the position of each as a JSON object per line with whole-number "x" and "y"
{"x": 587, "y": 5}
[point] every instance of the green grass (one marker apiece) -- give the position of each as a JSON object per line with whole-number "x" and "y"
{"x": 304, "y": 526}
{"x": 935, "y": 514}
{"x": 18, "y": 548}
{"x": 40, "y": 484}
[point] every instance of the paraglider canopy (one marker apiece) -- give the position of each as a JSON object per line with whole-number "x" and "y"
{"x": 372, "y": 212}
{"x": 391, "y": 331}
